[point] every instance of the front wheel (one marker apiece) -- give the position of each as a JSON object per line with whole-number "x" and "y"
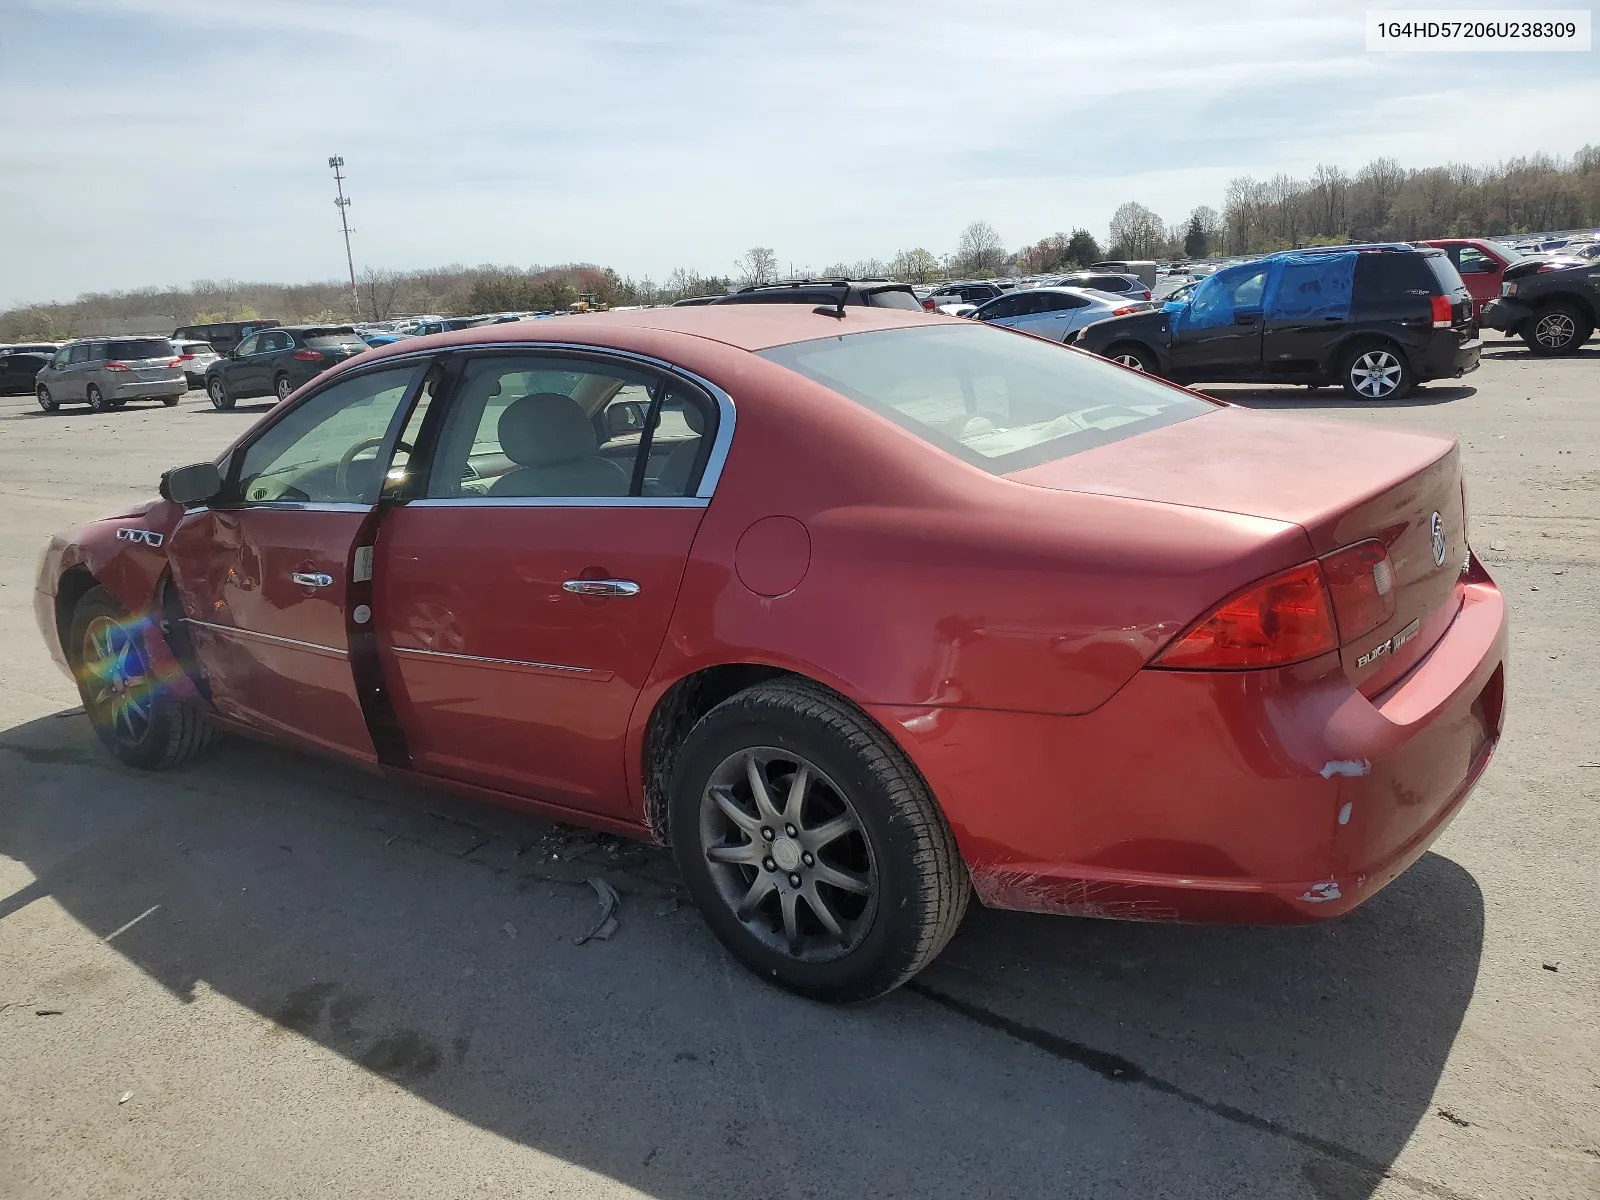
{"x": 47, "y": 402}
{"x": 221, "y": 397}
{"x": 1133, "y": 356}
{"x": 1376, "y": 373}
{"x": 1556, "y": 329}
{"x": 137, "y": 718}
{"x": 811, "y": 845}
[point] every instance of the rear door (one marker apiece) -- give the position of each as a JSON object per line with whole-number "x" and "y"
{"x": 1480, "y": 270}
{"x": 522, "y": 597}
{"x": 264, "y": 573}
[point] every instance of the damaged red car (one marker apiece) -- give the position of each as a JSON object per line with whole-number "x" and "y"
{"x": 861, "y": 610}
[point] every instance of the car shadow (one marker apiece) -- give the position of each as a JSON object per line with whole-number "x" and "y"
{"x": 431, "y": 941}
{"x": 1334, "y": 398}
{"x": 1515, "y": 349}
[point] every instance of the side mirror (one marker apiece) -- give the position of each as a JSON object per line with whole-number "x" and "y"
{"x": 626, "y": 416}
{"x": 194, "y": 484}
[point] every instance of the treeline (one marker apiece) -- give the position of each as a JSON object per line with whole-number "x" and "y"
{"x": 1380, "y": 202}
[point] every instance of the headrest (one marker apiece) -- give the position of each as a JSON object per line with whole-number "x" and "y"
{"x": 693, "y": 417}
{"x": 546, "y": 428}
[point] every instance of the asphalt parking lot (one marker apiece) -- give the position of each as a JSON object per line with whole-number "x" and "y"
{"x": 265, "y": 975}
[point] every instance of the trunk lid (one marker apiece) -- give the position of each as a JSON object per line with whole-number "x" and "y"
{"x": 1340, "y": 481}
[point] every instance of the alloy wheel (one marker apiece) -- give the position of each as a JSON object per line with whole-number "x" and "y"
{"x": 118, "y": 685}
{"x": 283, "y": 389}
{"x": 1131, "y": 361}
{"x": 47, "y": 402}
{"x": 1376, "y": 374}
{"x": 214, "y": 390}
{"x": 788, "y": 854}
{"x": 1554, "y": 330}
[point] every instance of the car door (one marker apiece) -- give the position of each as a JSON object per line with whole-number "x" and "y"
{"x": 1218, "y": 335}
{"x": 270, "y": 359}
{"x": 263, "y": 572}
{"x": 1003, "y": 311}
{"x": 1062, "y": 313}
{"x": 236, "y": 364}
{"x": 1480, "y": 271}
{"x": 522, "y": 598}
{"x": 74, "y": 381}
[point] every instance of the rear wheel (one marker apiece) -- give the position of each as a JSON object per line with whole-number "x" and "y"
{"x": 97, "y": 399}
{"x": 1376, "y": 371}
{"x": 171, "y": 401}
{"x": 137, "y": 718}
{"x": 217, "y": 390}
{"x": 1557, "y": 328}
{"x": 1133, "y": 356}
{"x": 811, "y": 845}
{"x": 46, "y": 401}
{"x": 281, "y": 387}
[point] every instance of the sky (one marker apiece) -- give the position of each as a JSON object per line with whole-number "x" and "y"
{"x": 164, "y": 141}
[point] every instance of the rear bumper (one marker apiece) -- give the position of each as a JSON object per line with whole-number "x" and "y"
{"x": 136, "y": 388}
{"x": 1449, "y": 354}
{"x": 1262, "y": 797}
{"x": 1505, "y": 315}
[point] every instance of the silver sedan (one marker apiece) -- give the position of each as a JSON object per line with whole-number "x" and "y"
{"x": 1055, "y": 312}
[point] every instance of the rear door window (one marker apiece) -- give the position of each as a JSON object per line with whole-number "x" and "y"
{"x": 894, "y": 298}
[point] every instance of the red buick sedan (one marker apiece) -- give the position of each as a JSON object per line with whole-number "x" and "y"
{"x": 860, "y": 610}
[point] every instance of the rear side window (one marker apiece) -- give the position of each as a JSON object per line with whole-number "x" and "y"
{"x": 1387, "y": 274}
{"x": 894, "y": 298}
{"x": 1450, "y": 282}
{"x": 140, "y": 348}
{"x": 997, "y": 400}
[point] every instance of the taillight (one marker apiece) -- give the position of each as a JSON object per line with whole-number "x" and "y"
{"x": 1283, "y": 619}
{"x": 1361, "y": 582}
{"x": 1441, "y": 312}
{"x": 116, "y": 366}
{"x": 1124, "y": 310}
{"x": 1147, "y": 293}
{"x": 308, "y": 355}
{"x": 182, "y": 358}
{"x": 928, "y": 304}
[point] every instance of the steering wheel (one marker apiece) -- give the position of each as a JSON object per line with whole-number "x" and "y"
{"x": 341, "y": 476}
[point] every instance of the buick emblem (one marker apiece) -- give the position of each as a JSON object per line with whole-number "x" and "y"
{"x": 1436, "y": 530}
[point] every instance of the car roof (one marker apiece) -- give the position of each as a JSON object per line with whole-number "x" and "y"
{"x": 743, "y": 326}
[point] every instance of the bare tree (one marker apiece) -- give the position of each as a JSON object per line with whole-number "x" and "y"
{"x": 1136, "y": 232}
{"x": 759, "y": 265}
{"x": 378, "y": 289}
{"x": 980, "y": 249}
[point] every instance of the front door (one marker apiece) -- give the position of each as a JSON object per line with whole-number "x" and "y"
{"x": 1218, "y": 336}
{"x": 263, "y": 572}
{"x": 522, "y": 597}
{"x": 1481, "y": 273}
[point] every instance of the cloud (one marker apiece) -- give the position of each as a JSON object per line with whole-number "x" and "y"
{"x": 652, "y": 135}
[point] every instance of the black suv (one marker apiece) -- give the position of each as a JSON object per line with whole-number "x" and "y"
{"x": 1553, "y": 303}
{"x": 1376, "y": 319}
{"x": 273, "y": 362}
{"x": 871, "y": 293}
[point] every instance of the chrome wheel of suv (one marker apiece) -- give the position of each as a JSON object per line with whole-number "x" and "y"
{"x": 1376, "y": 374}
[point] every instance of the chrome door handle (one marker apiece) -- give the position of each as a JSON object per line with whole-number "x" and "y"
{"x": 601, "y": 587}
{"x": 312, "y": 579}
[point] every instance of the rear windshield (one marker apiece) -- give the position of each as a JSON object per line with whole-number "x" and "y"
{"x": 140, "y": 348}
{"x": 894, "y": 298}
{"x": 333, "y": 335}
{"x": 1000, "y": 400}
{"x": 1445, "y": 272}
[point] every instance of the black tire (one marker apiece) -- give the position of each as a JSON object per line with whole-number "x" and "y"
{"x": 217, "y": 390}
{"x": 97, "y": 399}
{"x": 1133, "y": 356}
{"x": 139, "y": 721}
{"x": 1376, "y": 370}
{"x": 281, "y": 387}
{"x": 47, "y": 402}
{"x": 171, "y": 401}
{"x": 897, "y": 843}
{"x": 1556, "y": 329}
